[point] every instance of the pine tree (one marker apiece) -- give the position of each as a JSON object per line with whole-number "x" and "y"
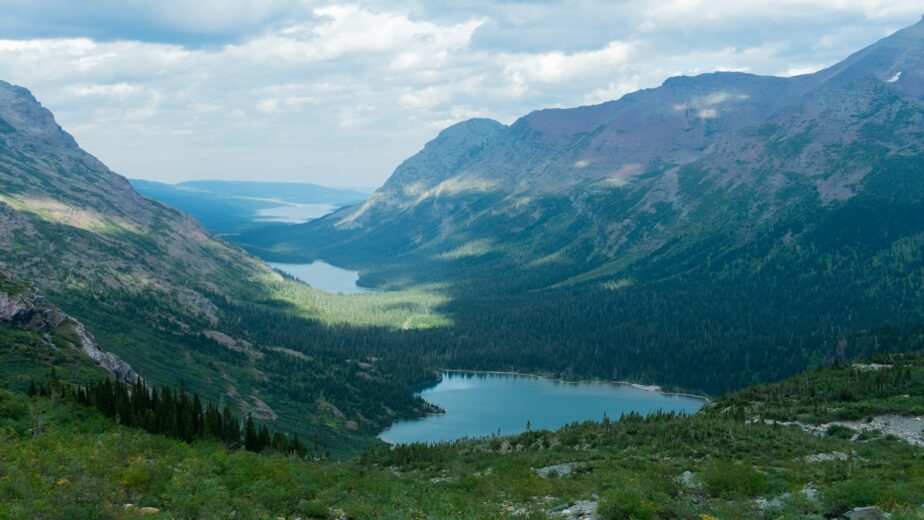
{"x": 251, "y": 437}
{"x": 263, "y": 438}
{"x": 230, "y": 428}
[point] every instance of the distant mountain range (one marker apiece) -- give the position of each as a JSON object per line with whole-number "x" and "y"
{"x": 636, "y": 174}
{"x": 229, "y": 207}
{"x": 747, "y": 224}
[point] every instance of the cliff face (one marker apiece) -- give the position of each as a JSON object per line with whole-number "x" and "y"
{"x": 25, "y": 308}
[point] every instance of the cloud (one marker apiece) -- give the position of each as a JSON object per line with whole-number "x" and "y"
{"x": 556, "y": 66}
{"x": 340, "y": 93}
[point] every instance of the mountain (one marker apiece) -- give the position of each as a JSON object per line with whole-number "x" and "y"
{"x": 748, "y": 225}
{"x": 175, "y": 303}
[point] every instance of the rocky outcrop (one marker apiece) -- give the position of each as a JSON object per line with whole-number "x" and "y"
{"x": 30, "y": 310}
{"x": 580, "y": 510}
{"x": 865, "y": 513}
{"x": 107, "y": 360}
{"x": 560, "y": 470}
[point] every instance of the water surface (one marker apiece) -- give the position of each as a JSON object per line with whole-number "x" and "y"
{"x": 323, "y": 276}
{"x": 294, "y": 213}
{"x": 481, "y": 404}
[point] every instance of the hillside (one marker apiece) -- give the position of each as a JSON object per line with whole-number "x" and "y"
{"x": 175, "y": 303}
{"x": 710, "y": 233}
{"x": 815, "y": 446}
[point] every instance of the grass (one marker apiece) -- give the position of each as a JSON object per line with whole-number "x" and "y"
{"x": 59, "y": 460}
{"x": 416, "y": 308}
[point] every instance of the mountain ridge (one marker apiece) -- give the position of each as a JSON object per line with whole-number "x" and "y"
{"x": 685, "y": 120}
{"x": 657, "y": 225}
{"x": 176, "y": 303}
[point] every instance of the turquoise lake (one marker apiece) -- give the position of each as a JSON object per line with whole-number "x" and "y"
{"x": 483, "y": 403}
{"x": 323, "y": 276}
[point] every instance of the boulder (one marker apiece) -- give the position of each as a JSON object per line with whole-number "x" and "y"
{"x": 865, "y": 513}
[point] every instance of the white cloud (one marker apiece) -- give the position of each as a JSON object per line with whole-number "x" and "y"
{"x": 353, "y": 89}
{"x": 798, "y": 71}
{"x": 268, "y": 105}
{"x": 556, "y": 66}
{"x": 119, "y": 90}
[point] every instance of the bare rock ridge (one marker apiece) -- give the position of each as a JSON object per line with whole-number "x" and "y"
{"x": 29, "y": 310}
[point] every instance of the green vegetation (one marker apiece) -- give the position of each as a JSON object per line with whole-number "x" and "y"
{"x": 172, "y": 412}
{"x": 26, "y": 356}
{"x": 710, "y": 300}
{"x": 61, "y": 459}
{"x": 333, "y": 385}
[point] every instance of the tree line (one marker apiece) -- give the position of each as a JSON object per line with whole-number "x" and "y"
{"x": 172, "y": 412}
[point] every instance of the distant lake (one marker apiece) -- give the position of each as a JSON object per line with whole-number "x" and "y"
{"x": 324, "y": 276}
{"x": 294, "y": 214}
{"x": 480, "y": 404}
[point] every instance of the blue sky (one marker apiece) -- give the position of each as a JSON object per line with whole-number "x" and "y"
{"x": 341, "y": 93}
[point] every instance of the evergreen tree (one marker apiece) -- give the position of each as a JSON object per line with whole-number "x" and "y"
{"x": 251, "y": 437}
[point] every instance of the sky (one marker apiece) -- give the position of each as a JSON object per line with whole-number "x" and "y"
{"x": 340, "y": 93}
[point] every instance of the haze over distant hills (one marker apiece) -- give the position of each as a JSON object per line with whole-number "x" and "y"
{"x": 228, "y": 207}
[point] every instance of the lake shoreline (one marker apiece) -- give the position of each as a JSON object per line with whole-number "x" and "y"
{"x": 571, "y": 400}
{"x": 650, "y": 388}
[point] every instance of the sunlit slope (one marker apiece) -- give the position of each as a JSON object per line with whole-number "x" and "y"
{"x": 176, "y": 303}
{"x": 710, "y": 233}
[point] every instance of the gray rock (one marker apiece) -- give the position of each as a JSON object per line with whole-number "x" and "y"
{"x": 826, "y": 457}
{"x": 865, "y": 513}
{"x": 810, "y": 493}
{"x": 560, "y": 470}
{"x": 30, "y": 310}
{"x": 580, "y": 510}
{"x": 687, "y": 479}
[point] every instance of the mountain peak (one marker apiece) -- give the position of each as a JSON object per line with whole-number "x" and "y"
{"x": 21, "y": 113}
{"x": 477, "y": 125}
{"x": 469, "y": 132}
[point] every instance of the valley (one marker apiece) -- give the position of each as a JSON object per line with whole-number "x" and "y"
{"x": 702, "y": 300}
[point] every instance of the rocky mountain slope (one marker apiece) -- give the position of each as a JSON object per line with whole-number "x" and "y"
{"x": 174, "y": 302}
{"x": 710, "y": 233}
{"x": 637, "y": 173}
{"x": 26, "y": 314}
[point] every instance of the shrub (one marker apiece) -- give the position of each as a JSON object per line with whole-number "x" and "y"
{"x": 724, "y": 479}
{"x": 631, "y": 504}
{"x": 840, "y": 432}
{"x": 844, "y": 496}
